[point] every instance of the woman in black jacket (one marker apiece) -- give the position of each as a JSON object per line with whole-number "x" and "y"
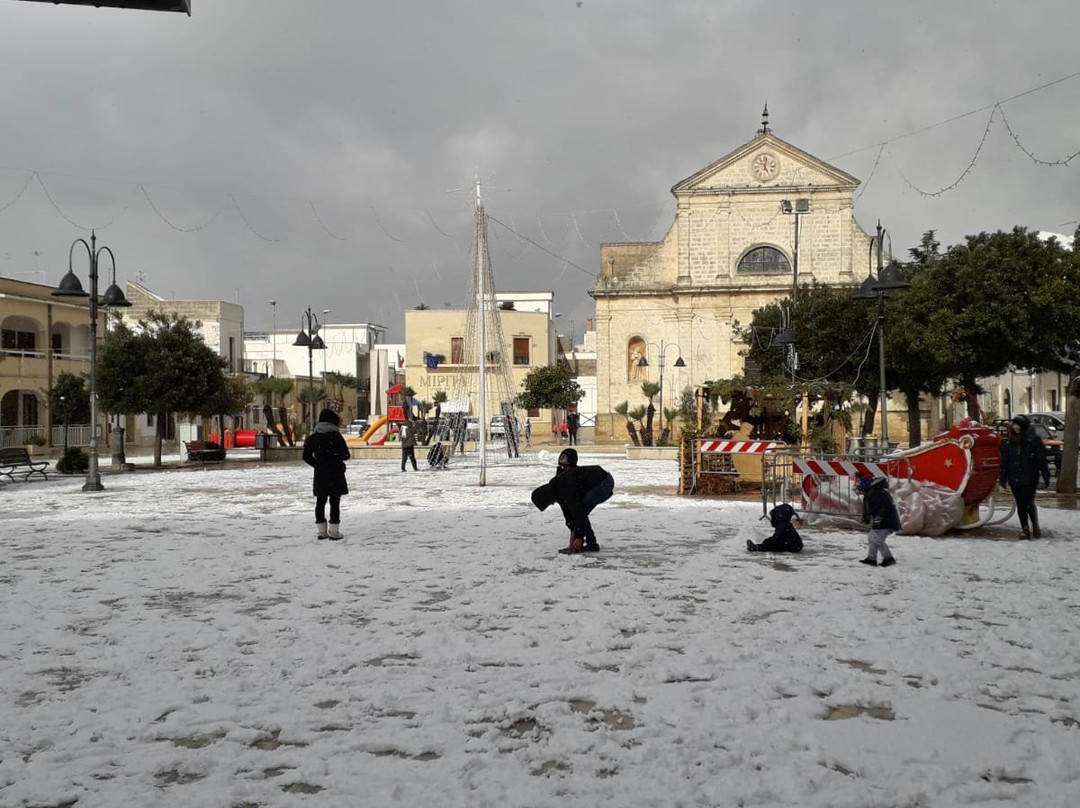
{"x": 1023, "y": 459}
{"x": 326, "y": 451}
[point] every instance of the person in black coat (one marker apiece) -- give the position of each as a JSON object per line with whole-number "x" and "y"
{"x": 785, "y": 538}
{"x": 1023, "y": 460}
{"x": 326, "y": 451}
{"x": 578, "y": 490}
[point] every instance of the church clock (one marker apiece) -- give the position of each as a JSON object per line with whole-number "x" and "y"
{"x": 764, "y": 166}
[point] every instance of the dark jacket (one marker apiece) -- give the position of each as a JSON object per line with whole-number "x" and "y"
{"x": 407, "y": 433}
{"x": 879, "y": 510}
{"x": 326, "y": 451}
{"x": 1023, "y": 461}
{"x": 570, "y": 488}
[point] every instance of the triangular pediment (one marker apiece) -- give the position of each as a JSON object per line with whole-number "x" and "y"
{"x": 765, "y": 162}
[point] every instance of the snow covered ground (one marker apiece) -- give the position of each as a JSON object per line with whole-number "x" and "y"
{"x": 182, "y": 639}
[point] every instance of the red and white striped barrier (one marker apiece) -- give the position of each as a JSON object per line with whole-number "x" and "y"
{"x": 738, "y": 446}
{"x": 841, "y": 468}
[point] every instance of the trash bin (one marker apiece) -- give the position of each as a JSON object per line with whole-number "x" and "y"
{"x": 262, "y": 441}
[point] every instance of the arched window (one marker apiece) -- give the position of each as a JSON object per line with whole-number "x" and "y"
{"x": 764, "y": 261}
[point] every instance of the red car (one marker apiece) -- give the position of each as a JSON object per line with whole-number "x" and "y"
{"x": 1054, "y": 447}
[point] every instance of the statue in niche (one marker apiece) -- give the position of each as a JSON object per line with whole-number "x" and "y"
{"x": 634, "y": 371}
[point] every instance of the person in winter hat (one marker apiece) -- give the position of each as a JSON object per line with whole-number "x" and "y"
{"x": 1023, "y": 460}
{"x": 785, "y": 538}
{"x": 879, "y": 511}
{"x": 326, "y": 451}
{"x": 578, "y": 490}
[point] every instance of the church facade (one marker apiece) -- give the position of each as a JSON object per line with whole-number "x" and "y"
{"x": 748, "y": 228}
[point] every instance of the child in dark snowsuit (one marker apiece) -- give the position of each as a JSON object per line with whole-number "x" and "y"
{"x": 785, "y": 538}
{"x": 325, "y": 450}
{"x": 577, "y": 489}
{"x": 879, "y": 511}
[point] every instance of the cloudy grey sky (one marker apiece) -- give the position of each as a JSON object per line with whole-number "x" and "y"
{"x": 323, "y": 153}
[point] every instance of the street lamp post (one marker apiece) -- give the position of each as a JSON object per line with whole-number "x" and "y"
{"x": 888, "y": 278}
{"x": 798, "y": 208}
{"x": 326, "y": 322}
{"x": 70, "y": 286}
{"x": 309, "y": 338}
{"x": 679, "y": 363}
{"x": 273, "y": 338}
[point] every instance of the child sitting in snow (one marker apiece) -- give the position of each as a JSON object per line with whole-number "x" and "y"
{"x": 785, "y": 538}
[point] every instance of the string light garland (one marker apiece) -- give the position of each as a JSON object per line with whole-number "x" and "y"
{"x": 67, "y": 218}
{"x": 250, "y": 226}
{"x": 175, "y": 227}
{"x": 322, "y": 224}
{"x": 20, "y": 192}
{"x": 573, "y": 220}
{"x": 963, "y": 174}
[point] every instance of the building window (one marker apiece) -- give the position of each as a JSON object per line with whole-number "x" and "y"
{"x": 11, "y": 340}
{"x": 232, "y": 354}
{"x": 521, "y": 350}
{"x": 764, "y": 261}
{"x": 57, "y": 344}
{"x": 457, "y": 350}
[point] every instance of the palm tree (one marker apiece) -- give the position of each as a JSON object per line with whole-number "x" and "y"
{"x": 339, "y": 383}
{"x": 670, "y": 414}
{"x": 438, "y": 399}
{"x": 309, "y": 397}
{"x": 622, "y": 409}
{"x": 650, "y": 390}
{"x": 422, "y": 407}
{"x": 407, "y": 395}
{"x": 638, "y": 414}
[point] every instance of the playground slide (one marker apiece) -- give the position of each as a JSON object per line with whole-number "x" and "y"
{"x": 371, "y": 430}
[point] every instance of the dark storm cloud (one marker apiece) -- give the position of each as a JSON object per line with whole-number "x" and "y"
{"x": 349, "y": 135}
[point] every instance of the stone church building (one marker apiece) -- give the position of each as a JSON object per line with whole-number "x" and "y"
{"x": 747, "y": 229}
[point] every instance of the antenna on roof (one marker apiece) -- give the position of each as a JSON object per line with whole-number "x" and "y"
{"x": 765, "y": 120}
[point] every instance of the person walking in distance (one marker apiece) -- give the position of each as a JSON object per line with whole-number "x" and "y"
{"x": 572, "y": 422}
{"x": 325, "y": 450}
{"x": 528, "y": 433}
{"x": 1023, "y": 460}
{"x": 407, "y": 436}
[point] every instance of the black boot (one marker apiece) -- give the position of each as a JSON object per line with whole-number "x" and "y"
{"x": 1035, "y": 532}
{"x": 751, "y": 546}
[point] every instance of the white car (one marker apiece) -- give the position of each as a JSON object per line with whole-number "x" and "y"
{"x": 358, "y": 427}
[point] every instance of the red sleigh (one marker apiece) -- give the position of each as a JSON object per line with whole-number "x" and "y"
{"x": 956, "y": 473}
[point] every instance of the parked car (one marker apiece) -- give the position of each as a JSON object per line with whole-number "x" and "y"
{"x": 357, "y": 427}
{"x": 1054, "y": 447}
{"x": 472, "y": 429}
{"x": 498, "y": 426}
{"x": 1054, "y": 421}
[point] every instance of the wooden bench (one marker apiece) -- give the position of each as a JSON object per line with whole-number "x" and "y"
{"x": 15, "y": 459}
{"x": 204, "y": 451}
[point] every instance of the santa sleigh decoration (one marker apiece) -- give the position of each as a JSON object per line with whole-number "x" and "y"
{"x": 944, "y": 484}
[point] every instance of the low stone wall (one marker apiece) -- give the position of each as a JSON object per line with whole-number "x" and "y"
{"x": 652, "y": 452}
